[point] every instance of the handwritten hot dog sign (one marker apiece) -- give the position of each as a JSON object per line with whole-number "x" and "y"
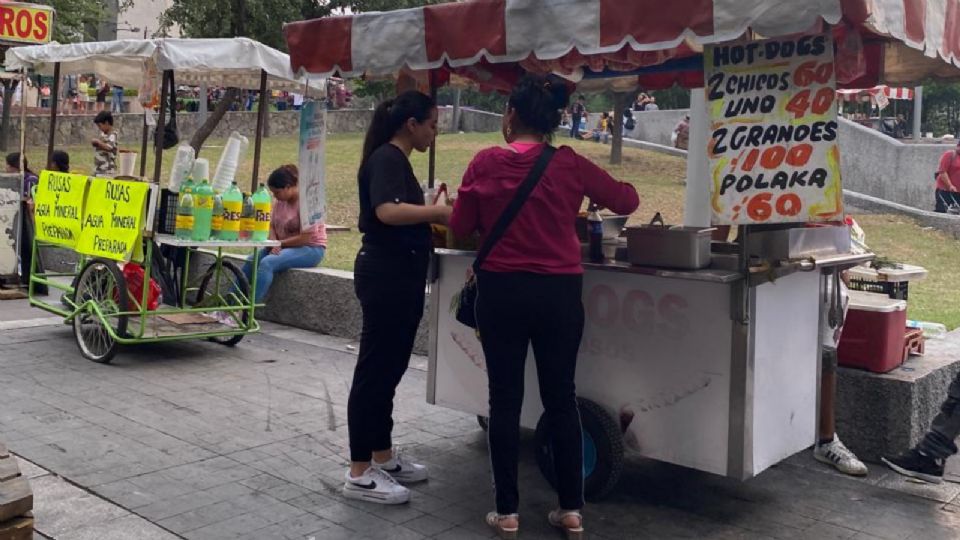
{"x": 25, "y": 23}
{"x": 773, "y": 149}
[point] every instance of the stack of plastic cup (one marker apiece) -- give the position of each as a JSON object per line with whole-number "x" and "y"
{"x": 182, "y": 165}
{"x": 201, "y": 170}
{"x": 229, "y": 161}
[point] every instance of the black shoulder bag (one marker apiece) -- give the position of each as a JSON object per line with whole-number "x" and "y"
{"x": 465, "y": 303}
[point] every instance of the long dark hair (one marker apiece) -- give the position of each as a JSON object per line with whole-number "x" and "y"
{"x": 13, "y": 160}
{"x": 391, "y": 115}
{"x": 538, "y": 101}
{"x": 284, "y": 177}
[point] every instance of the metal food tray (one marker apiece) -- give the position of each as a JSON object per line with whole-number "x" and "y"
{"x": 669, "y": 247}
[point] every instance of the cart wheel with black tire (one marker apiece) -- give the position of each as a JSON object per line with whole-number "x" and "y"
{"x": 222, "y": 291}
{"x": 602, "y": 450}
{"x": 101, "y": 284}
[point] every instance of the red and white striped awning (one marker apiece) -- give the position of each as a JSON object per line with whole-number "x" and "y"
{"x": 851, "y": 94}
{"x": 613, "y": 34}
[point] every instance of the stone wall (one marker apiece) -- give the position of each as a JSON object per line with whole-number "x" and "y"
{"x": 79, "y": 129}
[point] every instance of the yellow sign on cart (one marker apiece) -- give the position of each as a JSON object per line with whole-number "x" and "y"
{"x": 112, "y": 223}
{"x": 59, "y": 207}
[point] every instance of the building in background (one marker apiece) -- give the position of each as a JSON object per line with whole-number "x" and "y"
{"x": 140, "y": 20}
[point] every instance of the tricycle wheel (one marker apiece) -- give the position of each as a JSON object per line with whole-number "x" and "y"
{"x": 100, "y": 283}
{"x": 222, "y": 291}
{"x": 484, "y": 422}
{"x": 602, "y": 450}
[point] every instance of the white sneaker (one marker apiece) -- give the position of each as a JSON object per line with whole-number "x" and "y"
{"x": 402, "y": 469}
{"x": 375, "y": 486}
{"x": 840, "y": 457}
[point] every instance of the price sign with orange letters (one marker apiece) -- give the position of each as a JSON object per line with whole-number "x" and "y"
{"x": 773, "y": 149}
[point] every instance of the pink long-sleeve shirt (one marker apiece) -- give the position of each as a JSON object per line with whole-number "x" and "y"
{"x": 542, "y": 238}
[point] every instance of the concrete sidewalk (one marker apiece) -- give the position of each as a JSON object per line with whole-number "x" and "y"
{"x": 196, "y": 440}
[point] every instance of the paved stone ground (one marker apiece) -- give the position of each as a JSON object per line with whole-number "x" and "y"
{"x": 199, "y": 441}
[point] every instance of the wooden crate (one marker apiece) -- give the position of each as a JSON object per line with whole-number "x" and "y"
{"x": 16, "y": 500}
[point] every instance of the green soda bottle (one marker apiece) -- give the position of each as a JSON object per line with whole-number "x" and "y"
{"x": 184, "y": 227}
{"x": 216, "y": 222}
{"x": 202, "y": 211}
{"x": 262, "y": 205}
{"x": 187, "y": 186}
{"x": 232, "y": 208}
{"x": 247, "y": 218}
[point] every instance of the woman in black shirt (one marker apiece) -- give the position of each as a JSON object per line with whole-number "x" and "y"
{"x": 389, "y": 279}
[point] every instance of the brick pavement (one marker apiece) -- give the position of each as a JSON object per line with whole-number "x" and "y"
{"x": 208, "y": 442}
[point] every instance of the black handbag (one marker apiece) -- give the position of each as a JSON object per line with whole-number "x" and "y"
{"x": 465, "y": 303}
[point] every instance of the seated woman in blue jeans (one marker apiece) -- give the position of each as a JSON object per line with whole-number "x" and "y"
{"x": 299, "y": 247}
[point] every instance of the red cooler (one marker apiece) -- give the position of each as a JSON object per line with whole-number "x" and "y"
{"x": 873, "y": 335}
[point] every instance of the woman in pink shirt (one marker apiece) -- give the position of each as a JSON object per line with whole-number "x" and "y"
{"x": 530, "y": 288}
{"x": 299, "y": 248}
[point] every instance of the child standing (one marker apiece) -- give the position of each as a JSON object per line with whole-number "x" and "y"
{"x": 105, "y": 146}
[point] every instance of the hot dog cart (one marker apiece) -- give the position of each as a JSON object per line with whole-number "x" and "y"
{"x": 714, "y": 368}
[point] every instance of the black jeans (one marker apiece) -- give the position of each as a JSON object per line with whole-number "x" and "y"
{"x": 390, "y": 286}
{"x": 939, "y": 441}
{"x": 513, "y": 311}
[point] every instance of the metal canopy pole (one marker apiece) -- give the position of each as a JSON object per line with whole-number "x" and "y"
{"x": 143, "y": 146}
{"x": 54, "y": 104}
{"x": 432, "y": 169}
{"x": 158, "y": 133}
{"x": 262, "y": 108}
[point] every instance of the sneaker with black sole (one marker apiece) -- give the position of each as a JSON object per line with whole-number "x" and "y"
{"x": 375, "y": 486}
{"x": 402, "y": 469}
{"x": 917, "y": 465}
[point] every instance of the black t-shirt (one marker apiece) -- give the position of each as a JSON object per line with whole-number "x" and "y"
{"x": 387, "y": 177}
{"x": 578, "y": 111}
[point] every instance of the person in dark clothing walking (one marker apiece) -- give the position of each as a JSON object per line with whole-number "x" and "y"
{"x": 389, "y": 279}
{"x": 530, "y": 287}
{"x": 927, "y": 459}
{"x": 577, "y": 114}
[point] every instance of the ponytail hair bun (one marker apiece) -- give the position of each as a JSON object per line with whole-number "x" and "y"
{"x": 538, "y": 101}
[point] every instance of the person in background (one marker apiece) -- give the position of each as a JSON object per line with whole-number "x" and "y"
{"x": 681, "y": 133}
{"x": 628, "y": 121}
{"x": 116, "y": 103}
{"x": 829, "y": 448}
{"x": 947, "y": 190}
{"x": 651, "y": 104}
{"x": 602, "y": 131}
{"x": 641, "y": 101}
{"x": 60, "y": 161}
{"x": 299, "y": 247}
{"x": 577, "y": 114}
{"x": 83, "y": 94}
{"x": 105, "y": 146}
{"x": 532, "y": 283}
{"x": 297, "y": 101}
{"x": 45, "y": 96}
{"x": 390, "y": 276}
{"x": 102, "y": 96}
{"x": 28, "y": 228}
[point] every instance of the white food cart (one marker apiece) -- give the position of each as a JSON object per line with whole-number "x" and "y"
{"x": 714, "y": 369}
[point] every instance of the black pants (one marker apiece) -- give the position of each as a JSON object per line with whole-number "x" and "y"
{"x": 939, "y": 442}
{"x": 945, "y": 199}
{"x": 513, "y": 311}
{"x": 390, "y": 286}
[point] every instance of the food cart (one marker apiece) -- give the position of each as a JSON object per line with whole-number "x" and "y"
{"x": 113, "y": 222}
{"x": 713, "y": 368}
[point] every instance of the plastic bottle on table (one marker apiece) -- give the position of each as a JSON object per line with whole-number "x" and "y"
{"x": 184, "y": 227}
{"x": 216, "y": 222}
{"x": 232, "y": 209}
{"x": 262, "y": 206}
{"x": 247, "y": 218}
{"x": 595, "y": 232}
{"x": 187, "y": 186}
{"x": 931, "y": 330}
{"x": 202, "y": 211}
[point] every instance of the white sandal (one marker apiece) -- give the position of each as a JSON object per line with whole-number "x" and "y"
{"x": 556, "y": 518}
{"x": 506, "y": 533}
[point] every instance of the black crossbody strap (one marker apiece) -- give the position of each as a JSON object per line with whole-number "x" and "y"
{"x": 512, "y": 209}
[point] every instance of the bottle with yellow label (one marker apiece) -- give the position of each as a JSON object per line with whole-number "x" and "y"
{"x": 262, "y": 205}
{"x": 184, "y": 227}
{"x": 247, "y": 218}
{"x": 202, "y": 211}
{"x": 216, "y": 222}
{"x": 232, "y": 208}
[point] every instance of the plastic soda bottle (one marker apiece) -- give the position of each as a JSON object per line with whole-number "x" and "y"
{"x": 595, "y": 230}
{"x": 184, "y": 227}
{"x": 216, "y": 222}
{"x": 232, "y": 208}
{"x": 188, "y": 186}
{"x": 247, "y": 218}
{"x": 262, "y": 206}
{"x": 202, "y": 211}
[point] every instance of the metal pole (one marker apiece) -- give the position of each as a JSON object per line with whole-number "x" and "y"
{"x": 203, "y": 103}
{"x": 143, "y": 146}
{"x": 696, "y": 210}
{"x": 158, "y": 133}
{"x": 54, "y": 105}
{"x": 262, "y": 108}
{"x": 917, "y": 110}
{"x": 432, "y": 169}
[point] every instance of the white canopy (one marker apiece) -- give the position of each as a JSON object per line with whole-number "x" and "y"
{"x": 217, "y": 62}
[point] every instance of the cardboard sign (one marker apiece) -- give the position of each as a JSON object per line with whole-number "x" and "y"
{"x": 773, "y": 148}
{"x": 25, "y": 23}
{"x": 312, "y": 184}
{"x": 59, "y": 207}
{"x": 113, "y": 217}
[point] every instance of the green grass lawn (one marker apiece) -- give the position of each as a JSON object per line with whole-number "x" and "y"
{"x": 657, "y": 178}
